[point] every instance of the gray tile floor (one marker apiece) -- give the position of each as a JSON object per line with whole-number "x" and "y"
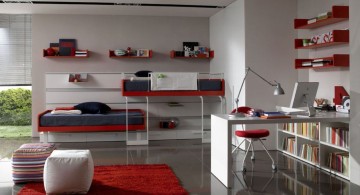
{"x": 190, "y": 160}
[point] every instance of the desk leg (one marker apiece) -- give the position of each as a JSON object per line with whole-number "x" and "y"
{"x": 221, "y": 159}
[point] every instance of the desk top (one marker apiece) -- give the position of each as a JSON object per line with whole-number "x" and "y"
{"x": 320, "y": 117}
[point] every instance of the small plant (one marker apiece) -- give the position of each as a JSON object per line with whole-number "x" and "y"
{"x": 161, "y": 76}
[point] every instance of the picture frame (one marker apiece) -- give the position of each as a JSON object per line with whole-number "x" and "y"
{"x": 143, "y": 53}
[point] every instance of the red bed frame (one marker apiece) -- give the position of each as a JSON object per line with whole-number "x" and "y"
{"x": 99, "y": 128}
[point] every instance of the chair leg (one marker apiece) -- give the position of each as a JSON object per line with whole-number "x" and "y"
{"x": 238, "y": 146}
{"x": 253, "y": 152}
{"x": 266, "y": 150}
{"x": 247, "y": 150}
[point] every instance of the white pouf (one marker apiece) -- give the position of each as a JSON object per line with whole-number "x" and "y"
{"x": 68, "y": 171}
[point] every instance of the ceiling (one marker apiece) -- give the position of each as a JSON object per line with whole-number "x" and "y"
{"x": 187, "y": 8}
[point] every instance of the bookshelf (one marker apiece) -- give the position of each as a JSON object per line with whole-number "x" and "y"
{"x": 339, "y": 37}
{"x": 339, "y": 14}
{"x": 316, "y": 143}
{"x": 328, "y": 39}
{"x": 336, "y": 60}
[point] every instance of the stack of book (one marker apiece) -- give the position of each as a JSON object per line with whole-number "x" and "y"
{"x": 289, "y": 144}
{"x": 82, "y": 53}
{"x": 306, "y": 63}
{"x": 310, "y": 130}
{"x": 311, "y": 20}
{"x": 324, "y": 15}
{"x": 339, "y": 161}
{"x": 338, "y": 136}
{"x": 310, "y": 153}
{"x": 320, "y": 62}
{"x": 291, "y": 127}
{"x": 269, "y": 115}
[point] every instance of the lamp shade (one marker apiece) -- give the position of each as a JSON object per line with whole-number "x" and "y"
{"x": 279, "y": 90}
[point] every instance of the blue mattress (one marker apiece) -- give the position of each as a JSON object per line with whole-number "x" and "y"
{"x": 111, "y": 118}
{"x": 143, "y": 85}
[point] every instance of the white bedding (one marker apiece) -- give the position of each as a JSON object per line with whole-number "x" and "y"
{"x": 66, "y": 112}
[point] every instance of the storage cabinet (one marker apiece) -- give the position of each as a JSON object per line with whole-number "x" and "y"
{"x": 329, "y": 39}
{"x": 321, "y": 144}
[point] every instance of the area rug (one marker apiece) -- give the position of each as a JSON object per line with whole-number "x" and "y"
{"x": 126, "y": 179}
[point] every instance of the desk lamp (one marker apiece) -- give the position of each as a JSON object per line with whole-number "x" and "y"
{"x": 278, "y": 91}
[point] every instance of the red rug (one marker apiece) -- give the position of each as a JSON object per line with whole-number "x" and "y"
{"x": 126, "y": 179}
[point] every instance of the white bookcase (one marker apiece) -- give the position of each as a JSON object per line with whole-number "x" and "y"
{"x": 298, "y": 134}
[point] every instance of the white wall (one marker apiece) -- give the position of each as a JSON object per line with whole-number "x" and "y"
{"x": 227, "y": 37}
{"x": 355, "y": 93}
{"x": 249, "y": 35}
{"x": 101, "y": 33}
{"x": 327, "y": 78}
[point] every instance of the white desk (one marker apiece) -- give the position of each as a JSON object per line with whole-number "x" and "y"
{"x": 221, "y": 135}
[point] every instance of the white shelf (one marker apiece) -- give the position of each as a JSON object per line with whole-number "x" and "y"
{"x": 307, "y": 138}
{"x": 287, "y": 132}
{"x": 335, "y": 146}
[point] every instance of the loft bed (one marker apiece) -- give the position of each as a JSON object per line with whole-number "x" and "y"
{"x": 174, "y": 84}
{"x": 115, "y": 120}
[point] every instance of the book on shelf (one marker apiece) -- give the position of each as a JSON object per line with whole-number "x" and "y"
{"x": 309, "y": 152}
{"x": 339, "y": 161}
{"x": 289, "y": 144}
{"x": 324, "y": 15}
{"x": 312, "y": 20}
{"x": 67, "y": 47}
{"x": 338, "y": 136}
{"x": 307, "y": 63}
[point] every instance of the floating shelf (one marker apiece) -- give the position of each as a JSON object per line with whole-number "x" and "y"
{"x": 211, "y": 55}
{"x": 338, "y": 60}
{"x": 339, "y": 37}
{"x": 86, "y": 56}
{"x": 339, "y": 13}
{"x": 112, "y": 55}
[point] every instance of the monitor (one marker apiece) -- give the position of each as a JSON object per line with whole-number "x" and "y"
{"x": 304, "y": 96}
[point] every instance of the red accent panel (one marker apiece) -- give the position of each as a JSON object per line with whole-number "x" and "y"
{"x": 173, "y": 93}
{"x": 105, "y": 128}
{"x": 339, "y": 93}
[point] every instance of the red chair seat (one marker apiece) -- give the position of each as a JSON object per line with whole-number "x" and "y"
{"x": 255, "y": 133}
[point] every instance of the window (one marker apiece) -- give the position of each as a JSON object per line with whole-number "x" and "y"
{"x": 15, "y": 47}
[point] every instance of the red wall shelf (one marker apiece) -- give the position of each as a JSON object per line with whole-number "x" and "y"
{"x": 338, "y": 60}
{"x": 339, "y": 13}
{"x": 172, "y": 55}
{"x": 112, "y": 55}
{"x": 339, "y": 37}
{"x": 46, "y": 56}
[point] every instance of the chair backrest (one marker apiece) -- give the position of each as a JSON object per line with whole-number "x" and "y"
{"x": 242, "y": 109}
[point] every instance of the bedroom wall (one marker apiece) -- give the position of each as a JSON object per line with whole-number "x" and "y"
{"x": 249, "y": 35}
{"x": 101, "y": 33}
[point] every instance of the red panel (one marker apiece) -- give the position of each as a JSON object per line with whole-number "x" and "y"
{"x": 339, "y": 60}
{"x": 339, "y": 93}
{"x": 104, "y": 128}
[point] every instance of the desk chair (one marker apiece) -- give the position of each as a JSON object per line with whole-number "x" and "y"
{"x": 251, "y": 136}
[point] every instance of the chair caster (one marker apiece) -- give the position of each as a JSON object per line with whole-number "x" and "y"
{"x": 252, "y": 157}
{"x": 274, "y": 167}
{"x": 244, "y": 169}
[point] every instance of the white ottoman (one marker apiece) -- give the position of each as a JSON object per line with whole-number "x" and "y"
{"x": 68, "y": 171}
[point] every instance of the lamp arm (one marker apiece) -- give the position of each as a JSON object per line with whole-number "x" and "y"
{"x": 249, "y": 69}
{"x": 242, "y": 84}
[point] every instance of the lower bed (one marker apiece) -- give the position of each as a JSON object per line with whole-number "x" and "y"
{"x": 115, "y": 120}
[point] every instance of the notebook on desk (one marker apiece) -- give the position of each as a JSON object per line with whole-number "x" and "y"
{"x": 291, "y": 111}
